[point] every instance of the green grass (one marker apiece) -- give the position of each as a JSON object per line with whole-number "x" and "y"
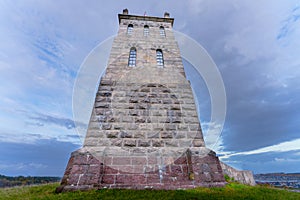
{"x": 231, "y": 191}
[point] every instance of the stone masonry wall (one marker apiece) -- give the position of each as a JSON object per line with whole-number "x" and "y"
{"x": 242, "y": 176}
{"x": 190, "y": 170}
{"x": 144, "y": 130}
{"x": 146, "y": 107}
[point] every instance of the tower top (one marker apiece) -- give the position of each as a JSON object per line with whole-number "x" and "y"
{"x": 125, "y": 15}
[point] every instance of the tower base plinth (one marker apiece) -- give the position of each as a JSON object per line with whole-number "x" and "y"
{"x": 95, "y": 169}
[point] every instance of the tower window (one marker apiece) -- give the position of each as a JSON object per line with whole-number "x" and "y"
{"x": 132, "y": 57}
{"x": 162, "y": 31}
{"x": 129, "y": 29}
{"x": 146, "y": 30}
{"x": 159, "y": 58}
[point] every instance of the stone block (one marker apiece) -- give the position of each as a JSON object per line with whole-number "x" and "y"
{"x": 184, "y": 143}
{"x": 107, "y": 161}
{"x": 176, "y": 170}
{"x": 129, "y": 180}
{"x": 108, "y": 179}
{"x": 171, "y": 143}
{"x": 152, "y": 160}
{"x": 106, "y": 126}
{"x": 103, "y": 142}
{"x": 93, "y": 161}
{"x": 179, "y": 134}
{"x": 198, "y": 143}
{"x": 101, "y": 105}
{"x": 181, "y": 160}
{"x": 182, "y": 127}
{"x": 129, "y": 143}
{"x": 157, "y": 143}
{"x": 153, "y": 178}
{"x": 194, "y": 127}
{"x": 79, "y": 169}
{"x": 125, "y": 134}
{"x": 126, "y": 169}
{"x": 153, "y": 134}
{"x": 91, "y": 141}
{"x": 110, "y": 170}
{"x": 139, "y": 160}
{"x": 116, "y": 142}
{"x": 132, "y": 126}
{"x": 217, "y": 177}
{"x": 121, "y": 161}
{"x": 166, "y": 134}
{"x": 170, "y": 127}
{"x": 112, "y": 134}
{"x": 144, "y": 143}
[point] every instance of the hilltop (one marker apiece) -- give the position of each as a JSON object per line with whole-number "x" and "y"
{"x": 231, "y": 191}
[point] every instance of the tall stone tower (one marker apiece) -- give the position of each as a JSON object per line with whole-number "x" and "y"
{"x": 144, "y": 130}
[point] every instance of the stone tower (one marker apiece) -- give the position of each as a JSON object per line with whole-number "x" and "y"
{"x": 144, "y": 130}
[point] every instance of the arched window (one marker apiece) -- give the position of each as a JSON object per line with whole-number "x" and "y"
{"x": 129, "y": 29}
{"x": 159, "y": 58}
{"x": 162, "y": 31}
{"x": 132, "y": 57}
{"x": 146, "y": 30}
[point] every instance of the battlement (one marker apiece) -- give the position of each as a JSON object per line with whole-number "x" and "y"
{"x": 126, "y": 16}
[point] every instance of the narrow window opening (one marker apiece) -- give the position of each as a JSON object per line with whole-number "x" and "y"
{"x": 162, "y": 31}
{"x": 159, "y": 58}
{"x": 146, "y": 30}
{"x": 132, "y": 57}
{"x": 129, "y": 29}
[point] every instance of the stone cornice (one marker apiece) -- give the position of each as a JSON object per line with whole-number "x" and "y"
{"x": 146, "y": 18}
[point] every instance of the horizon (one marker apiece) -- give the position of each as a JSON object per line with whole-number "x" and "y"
{"x": 62, "y": 176}
{"x": 254, "y": 45}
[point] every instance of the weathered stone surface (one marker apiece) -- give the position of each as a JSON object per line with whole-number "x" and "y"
{"x": 242, "y": 176}
{"x": 157, "y": 143}
{"x": 144, "y": 143}
{"x": 140, "y": 172}
{"x": 144, "y": 130}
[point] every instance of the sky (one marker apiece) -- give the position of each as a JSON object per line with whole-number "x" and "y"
{"x": 254, "y": 44}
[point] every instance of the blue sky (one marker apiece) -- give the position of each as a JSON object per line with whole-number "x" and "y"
{"x": 255, "y": 45}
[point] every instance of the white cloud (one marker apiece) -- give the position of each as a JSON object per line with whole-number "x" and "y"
{"x": 281, "y": 147}
{"x": 213, "y": 140}
{"x": 21, "y": 166}
{"x": 286, "y": 160}
{"x": 196, "y": 6}
{"x": 48, "y": 133}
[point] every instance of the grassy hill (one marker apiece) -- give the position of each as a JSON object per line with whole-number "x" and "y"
{"x": 231, "y": 191}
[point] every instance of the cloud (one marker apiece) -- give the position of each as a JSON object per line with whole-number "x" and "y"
{"x": 28, "y": 126}
{"x": 289, "y": 24}
{"x": 287, "y": 160}
{"x": 19, "y": 137}
{"x": 22, "y": 166}
{"x": 256, "y": 50}
{"x": 214, "y": 139}
{"x": 268, "y": 162}
{"x": 47, "y": 157}
{"x": 281, "y": 147}
{"x": 260, "y": 75}
{"x": 13, "y": 137}
{"x": 42, "y": 119}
